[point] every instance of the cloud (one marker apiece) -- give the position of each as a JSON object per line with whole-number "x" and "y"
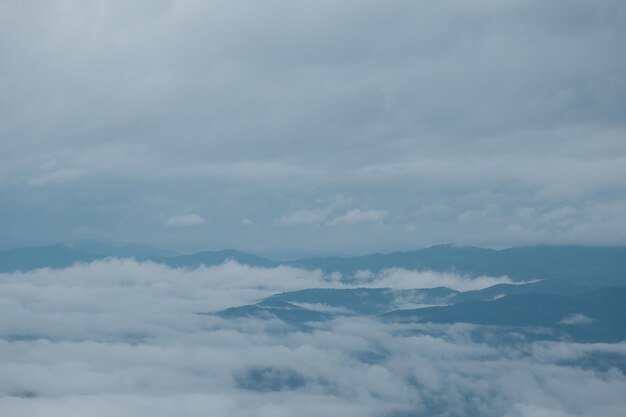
{"x": 403, "y": 278}
{"x": 576, "y": 319}
{"x": 359, "y": 216}
{"x": 142, "y": 117}
{"x": 319, "y": 216}
{"x": 184, "y": 220}
{"x": 56, "y": 176}
{"x": 247, "y": 222}
{"x": 308, "y": 217}
{"x": 120, "y": 337}
{"x": 559, "y": 215}
{"x": 411, "y": 227}
{"x": 323, "y": 308}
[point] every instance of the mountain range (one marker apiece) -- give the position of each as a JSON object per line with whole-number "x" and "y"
{"x": 572, "y": 292}
{"x": 585, "y": 266}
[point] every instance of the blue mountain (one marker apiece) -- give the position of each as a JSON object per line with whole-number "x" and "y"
{"x": 57, "y": 256}
{"x": 592, "y": 266}
{"x": 63, "y": 256}
{"x": 212, "y": 258}
{"x": 318, "y": 304}
{"x": 592, "y": 316}
{"x": 121, "y": 250}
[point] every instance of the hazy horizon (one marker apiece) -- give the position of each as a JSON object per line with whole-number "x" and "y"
{"x": 284, "y": 255}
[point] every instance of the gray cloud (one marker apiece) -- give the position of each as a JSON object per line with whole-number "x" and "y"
{"x": 183, "y": 220}
{"x": 359, "y": 216}
{"x": 320, "y": 216}
{"x": 311, "y": 217}
{"x": 246, "y": 111}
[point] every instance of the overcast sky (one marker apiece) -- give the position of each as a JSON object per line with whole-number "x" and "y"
{"x": 311, "y": 127}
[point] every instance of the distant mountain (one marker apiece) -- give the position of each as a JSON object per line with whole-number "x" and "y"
{"x": 376, "y": 301}
{"x": 364, "y": 300}
{"x": 590, "y": 316}
{"x": 594, "y": 266}
{"x": 562, "y": 303}
{"x": 287, "y": 312}
{"x": 212, "y": 258}
{"x": 593, "y": 316}
{"x": 119, "y": 250}
{"x": 57, "y": 256}
{"x": 590, "y": 267}
{"x": 63, "y": 256}
{"x": 315, "y": 304}
{"x": 548, "y": 286}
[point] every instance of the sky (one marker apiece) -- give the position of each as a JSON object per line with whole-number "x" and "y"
{"x": 313, "y": 127}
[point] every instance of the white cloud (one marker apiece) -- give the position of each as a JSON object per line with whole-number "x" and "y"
{"x": 561, "y": 214}
{"x": 247, "y": 222}
{"x": 183, "y": 220}
{"x": 359, "y": 216}
{"x": 309, "y": 217}
{"x": 323, "y": 308}
{"x": 124, "y": 338}
{"x": 478, "y": 215}
{"x": 577, "y": 319}
{"x": 319, "y": 215}
{"x": 56, "y": 176}
{"x": 404, "y": 278}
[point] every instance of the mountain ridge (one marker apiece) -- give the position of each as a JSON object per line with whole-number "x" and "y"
{"x": 585, "y": 265}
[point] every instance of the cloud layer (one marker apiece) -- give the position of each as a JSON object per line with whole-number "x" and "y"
{"x": 124, "y": 338}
